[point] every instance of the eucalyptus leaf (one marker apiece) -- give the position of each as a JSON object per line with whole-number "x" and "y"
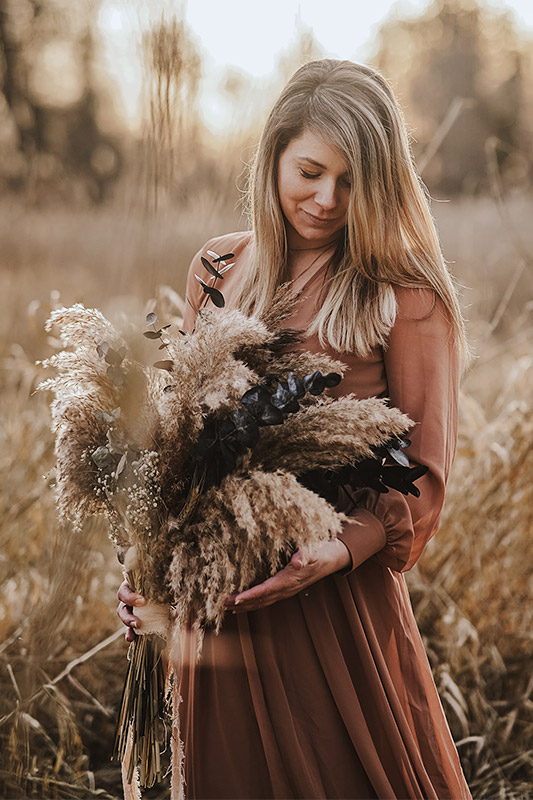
{"x": 151, "y": 318}
{"x": 210, "y": 268}
{"x": 102, "y": 348}
{"x": 314, "y": 383}
{"x": 246, "y": 427}
{"x": 166, "y": 364}
{"x": 399, "y": 456}
{"x": 103, "y": 458}
{"x": 105, "y": 417}
{"x": 115, "y": 373}
{"x": 217, "y": 298}
{"x": 295, "y": 385}
{"x": 114, "y": 357}
{"x": 225, "y": 257}
{"x": 332, "y": 379}
{"x": 121, "y": 465}
{"x": 152, "y": 334}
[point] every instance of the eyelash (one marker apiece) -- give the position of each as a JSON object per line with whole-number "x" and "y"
{"x": 311, "y": 175}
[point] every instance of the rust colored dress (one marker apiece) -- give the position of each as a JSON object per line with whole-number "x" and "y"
{"x": 329, "y": 694}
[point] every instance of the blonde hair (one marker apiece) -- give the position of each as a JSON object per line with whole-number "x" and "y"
{"x": 390, "y": 237}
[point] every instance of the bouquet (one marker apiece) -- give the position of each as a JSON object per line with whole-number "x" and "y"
{"x": 212, "y": 465}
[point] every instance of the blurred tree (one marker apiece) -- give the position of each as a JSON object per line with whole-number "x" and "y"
{"x": 302, "y": 49}
{"x": 173, "y": 67}
{"x": 49, "y": 114}
{"x": 459, "y": 71}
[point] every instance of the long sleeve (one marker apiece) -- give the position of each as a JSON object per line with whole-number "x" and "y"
{"x": 236, "y": 243}
{"x": 423, "y": 369}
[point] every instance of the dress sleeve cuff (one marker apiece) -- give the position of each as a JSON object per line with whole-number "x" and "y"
{"x": 364, "y": 535}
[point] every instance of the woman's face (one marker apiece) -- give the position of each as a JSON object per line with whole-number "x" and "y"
{"x": 314, "y": 190}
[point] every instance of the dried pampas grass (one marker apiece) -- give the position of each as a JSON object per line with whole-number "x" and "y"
{"x": 199, "y": 483}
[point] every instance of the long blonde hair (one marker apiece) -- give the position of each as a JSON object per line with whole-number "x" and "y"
{"x": 390, "y": 236}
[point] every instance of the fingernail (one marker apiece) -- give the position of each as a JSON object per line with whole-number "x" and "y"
{"x": 133, "y": 624}
{"x": 139, "y": 600}
{"x": 236, "y": 602}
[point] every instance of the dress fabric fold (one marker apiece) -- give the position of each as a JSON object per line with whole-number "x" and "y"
{"x": 329, "y": 694}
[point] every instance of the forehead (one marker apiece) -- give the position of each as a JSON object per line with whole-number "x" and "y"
{"x": 316, "y": 148}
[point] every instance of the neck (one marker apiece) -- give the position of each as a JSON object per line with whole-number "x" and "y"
{"x": 310, "y": 249}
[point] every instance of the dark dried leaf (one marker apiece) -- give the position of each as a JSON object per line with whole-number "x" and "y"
{"x": 217, "y": 297}
{"x": 152, "y": 334}
{"x": 296, "y": 387}
{"x": 402, "y": 478}
{"x": 246, "y": 428}
{"x": 223, "y": 258}
{"x": 167, "y": 364}
{"x": 211, "y": 269}
{"x": 314, "y": 383}
{"x": 367, "y": 474}
{"x": 255, "y": 399}
{"x": 281, "y": 397}
{"x": 332, "y": 379}
{"x": 269, "y": 415}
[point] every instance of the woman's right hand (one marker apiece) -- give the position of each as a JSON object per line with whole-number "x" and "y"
{"x": 128, "y": 600}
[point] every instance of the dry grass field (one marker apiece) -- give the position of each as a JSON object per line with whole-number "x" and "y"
{"x": 472, "y": 590}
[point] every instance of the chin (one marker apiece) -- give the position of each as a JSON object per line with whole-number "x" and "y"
{"x": 316, "y": 234}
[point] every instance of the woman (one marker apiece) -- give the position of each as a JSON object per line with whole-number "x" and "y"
{"x": 318, "y": 685}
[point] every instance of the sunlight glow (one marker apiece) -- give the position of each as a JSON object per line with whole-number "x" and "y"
{"x": 248, "y": 37}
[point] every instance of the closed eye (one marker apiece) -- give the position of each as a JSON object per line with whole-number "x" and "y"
{"x": 309, "y": 175}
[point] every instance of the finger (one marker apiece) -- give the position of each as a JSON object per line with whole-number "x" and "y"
{"x": 129, "y": 597}
{"x": 129, "y": 635}
{"x": 280, "y": 585}
{"x": 126, "y": 615}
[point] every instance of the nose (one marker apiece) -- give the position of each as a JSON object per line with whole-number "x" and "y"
{"x": 326, "y": 195}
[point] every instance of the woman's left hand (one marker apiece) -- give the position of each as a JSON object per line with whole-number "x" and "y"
{"x": 305, "y": 568}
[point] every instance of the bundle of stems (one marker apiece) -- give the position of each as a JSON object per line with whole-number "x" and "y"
{"x": 139, "y": 734}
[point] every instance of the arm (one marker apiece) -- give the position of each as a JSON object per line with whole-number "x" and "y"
{"x": 422, "y": 367}
{"x": 423, "y": 370}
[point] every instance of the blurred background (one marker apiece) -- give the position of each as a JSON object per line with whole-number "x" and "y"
{"x": 126, "y": 128}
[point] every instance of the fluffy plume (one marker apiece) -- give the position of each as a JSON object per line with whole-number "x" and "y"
{"x": 329, "y": 435}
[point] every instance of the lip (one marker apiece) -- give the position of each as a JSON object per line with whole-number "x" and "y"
{"x": 322, "y": 221}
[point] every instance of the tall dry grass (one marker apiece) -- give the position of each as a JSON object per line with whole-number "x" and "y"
{"x": 471, "y": 591}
